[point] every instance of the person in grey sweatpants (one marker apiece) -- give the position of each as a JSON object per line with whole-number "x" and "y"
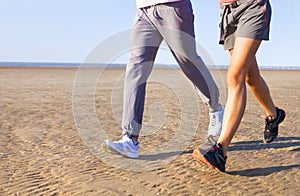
{"x": 172, "y": 21}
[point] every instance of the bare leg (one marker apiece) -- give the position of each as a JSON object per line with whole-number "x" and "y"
{"x": 244, "y": 50}
{"x": 260, "y": 89}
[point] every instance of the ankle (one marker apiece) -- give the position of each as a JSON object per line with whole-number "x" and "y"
{"x": 133, "y": 137}
{"x": 218, "y": 107}
{"x": 224, "y": 147}
{"x": 273, "y": 115}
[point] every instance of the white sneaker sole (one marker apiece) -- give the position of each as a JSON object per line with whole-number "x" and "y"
{"x": 109, "y": 146}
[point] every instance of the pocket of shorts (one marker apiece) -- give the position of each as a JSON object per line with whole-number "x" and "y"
{"x": 266, "y": 12}
{"x": 237, "y": 13}
{"x": 231, "y": 19}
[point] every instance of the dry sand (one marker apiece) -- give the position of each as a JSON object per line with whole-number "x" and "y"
{"x": 49, "y": 145}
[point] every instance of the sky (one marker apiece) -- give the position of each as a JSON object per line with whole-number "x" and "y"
{"x": 68, "y": 30}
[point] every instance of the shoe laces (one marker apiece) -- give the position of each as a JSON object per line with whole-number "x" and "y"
{"x": 212, "y": 140}
{"x": 213, "y": 119}
{"x": 216, "y": 146}
{"x": 125, "y": 139}
{"x": 269, "y": 122}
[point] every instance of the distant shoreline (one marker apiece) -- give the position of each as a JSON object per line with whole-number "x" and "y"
{"x": 115, "y": 65}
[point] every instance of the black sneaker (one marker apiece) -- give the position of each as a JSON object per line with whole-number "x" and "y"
{"x": 271, "y": 128}
{"x": 213, "y": 157}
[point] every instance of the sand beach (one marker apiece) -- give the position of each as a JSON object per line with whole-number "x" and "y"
{"x": 53, "y": 121}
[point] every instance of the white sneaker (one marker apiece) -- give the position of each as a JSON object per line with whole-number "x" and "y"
{"x": 126, "y": 147}
{"x": 215, "y": 123}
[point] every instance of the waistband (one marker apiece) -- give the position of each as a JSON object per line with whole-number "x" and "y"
{"x": 234, "y": 4}
{"x": 239, "y": 2}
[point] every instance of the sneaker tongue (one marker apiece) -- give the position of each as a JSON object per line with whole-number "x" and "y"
{"x": 219, "y": 146}
{"x": 269, "y": 119}
{"x": 125, "y": 137}
{"x": 135, "y": 142}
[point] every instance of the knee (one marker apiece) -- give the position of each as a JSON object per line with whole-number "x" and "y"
{"x": 251, "y": 80}
{"x": 235, "y": 79}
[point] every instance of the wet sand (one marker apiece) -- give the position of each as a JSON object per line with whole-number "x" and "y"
{"x": 53, "y": 120}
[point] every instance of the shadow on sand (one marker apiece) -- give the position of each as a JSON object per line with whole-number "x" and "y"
{"x": 259, "y": 145}
{"x": 254, "y": 172}
{"x": 243, "y": 145}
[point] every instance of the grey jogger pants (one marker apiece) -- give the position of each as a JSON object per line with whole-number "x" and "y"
{"x": 174, "y": 23}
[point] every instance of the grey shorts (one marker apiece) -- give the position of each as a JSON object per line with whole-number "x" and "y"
{"x": 245, "y": 18}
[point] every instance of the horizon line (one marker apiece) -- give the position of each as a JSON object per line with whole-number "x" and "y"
{"x": 121, "y": 65}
